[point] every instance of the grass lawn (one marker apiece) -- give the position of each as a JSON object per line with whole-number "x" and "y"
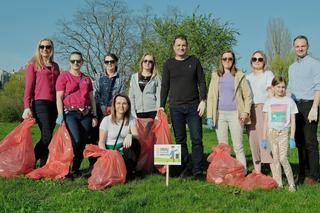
{"x": 149, "y": 193}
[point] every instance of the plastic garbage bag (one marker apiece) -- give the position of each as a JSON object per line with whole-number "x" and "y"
{"x": 223, "y": 168}
{"x": 16, "y": 150}
{"x": 109, "y": 169}
{"x": 60, "y": 156}
{"x": 146, "y": 140}
{"x": 162, "y": 134}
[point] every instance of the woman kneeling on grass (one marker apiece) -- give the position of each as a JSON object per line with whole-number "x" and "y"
{"x": 118, "y": 132}
{"x": 279, "y": 115}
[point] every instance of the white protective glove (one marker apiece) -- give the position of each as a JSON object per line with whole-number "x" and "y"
{"x": 26, "y": 113}
{"x": 201, "y": 108}
{"x": 313, "y": 114}
{"x": 127, "y": 141}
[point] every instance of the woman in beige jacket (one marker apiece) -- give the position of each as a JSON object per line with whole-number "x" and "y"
{"x": 228, "y": 103}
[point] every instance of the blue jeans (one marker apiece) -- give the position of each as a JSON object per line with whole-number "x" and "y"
{"x": 180, "y": 116}
{"x": 79, "y": 128}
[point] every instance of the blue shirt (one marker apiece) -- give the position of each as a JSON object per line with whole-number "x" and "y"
{"x": 304, "y": 78}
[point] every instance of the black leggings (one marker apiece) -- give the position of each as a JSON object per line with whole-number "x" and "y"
{"x": 131, "y": 156}
{"x": 45, "y": 113}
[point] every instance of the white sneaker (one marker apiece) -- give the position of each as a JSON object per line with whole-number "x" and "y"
{"x": 292, "y": 189}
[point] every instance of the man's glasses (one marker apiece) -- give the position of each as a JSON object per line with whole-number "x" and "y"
{"x": 48, "y": 47}
{"x": 148, "y": 61}
{"x": 75, "y": 61}
{"x": 109, "y": 62}
{"x": 227, "y": 59}
{"x": 257, "y": 59}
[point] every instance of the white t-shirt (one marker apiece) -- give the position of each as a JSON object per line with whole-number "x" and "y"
{"x": 279, "y": 112}
{"x": 113, "y": 130}
{"x": 259, "y": 84}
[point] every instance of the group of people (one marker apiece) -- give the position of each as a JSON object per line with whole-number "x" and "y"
{"x": 101, "y": 113}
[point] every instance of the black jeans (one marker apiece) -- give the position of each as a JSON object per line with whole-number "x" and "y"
{"x": 151, "y": 114}
{"x": 307, "y": 143}
{"x": 45, "y": 113}
{"x": 79, "y": 127}
{"x": 131, "y": 156}
{"x": 181, "y": 116}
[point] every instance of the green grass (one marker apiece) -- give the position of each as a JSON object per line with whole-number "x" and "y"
{"x": 149, "y": 193}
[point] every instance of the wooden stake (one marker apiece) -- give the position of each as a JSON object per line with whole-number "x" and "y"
{"x": 167, "y": 176}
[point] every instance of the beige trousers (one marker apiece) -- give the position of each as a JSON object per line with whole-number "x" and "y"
{"x": 255, "y": 132}
{"x": 230, "y": 120}
{"x": 279, "y": 148}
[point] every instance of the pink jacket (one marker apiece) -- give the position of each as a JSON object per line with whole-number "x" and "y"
{"x": 40, "y": 84}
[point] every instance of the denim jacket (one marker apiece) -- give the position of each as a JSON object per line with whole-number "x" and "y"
{"x": 103, "y": 84}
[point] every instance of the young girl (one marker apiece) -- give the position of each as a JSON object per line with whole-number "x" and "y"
{"x": 279, "y": 115}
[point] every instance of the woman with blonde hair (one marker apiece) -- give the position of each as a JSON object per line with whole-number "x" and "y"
{"x": 229, "y": 102}
{"x": 144, "y": 90}
{"x": 260, "y": 83}
{"x": 40, "y": 94}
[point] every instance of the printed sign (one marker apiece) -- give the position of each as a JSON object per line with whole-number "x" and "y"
{"x": 167, "y": 154}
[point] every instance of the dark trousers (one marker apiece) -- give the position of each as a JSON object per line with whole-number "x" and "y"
{"x": 45, "y": 113}
{"x": 79, "y": 127}
{"x": 307, "y": 143}
{"x": 131, "y": 156}
{"x": 151, "y": 114}
{"x": 181, "y": 116}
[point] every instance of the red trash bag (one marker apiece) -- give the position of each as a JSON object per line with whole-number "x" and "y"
{"x": 162, "y": 134}
{"x": 60, "y": 156}
{"x": 257, "y": 180}
{"x": 146, "y": 140}
{"x": 109, "y": 169}
{"x": 223, "y": 168}
{"x": 16, "y": 151}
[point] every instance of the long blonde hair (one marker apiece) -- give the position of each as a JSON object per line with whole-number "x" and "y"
{"x": 37, "y": 58}
{"x": 154, "y": 70}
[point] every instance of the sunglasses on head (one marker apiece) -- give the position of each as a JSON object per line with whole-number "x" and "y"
{"x": 109, "y": 62}
{"x": 148, "y": 61}
{"x": 257, "y": 59}
{"x": 75, "y": 61}
{"x": 227, "y": 59}
{"x": 48, "y": 47}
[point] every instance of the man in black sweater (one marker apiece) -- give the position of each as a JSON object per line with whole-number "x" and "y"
{"x": 182, "y": 76}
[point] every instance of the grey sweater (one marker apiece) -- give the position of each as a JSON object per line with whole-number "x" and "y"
{"x": 149, "y": 99}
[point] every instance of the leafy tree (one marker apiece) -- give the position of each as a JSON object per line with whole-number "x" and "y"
{"x": 11, "y": 98}
{"x": 280, "y": 65}
{"x": 207, "y": 37}
{"x": 278, "y": 43}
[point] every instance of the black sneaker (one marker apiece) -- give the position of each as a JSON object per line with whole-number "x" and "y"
{"x": 42, "y": 162}
{"x": 87, "y": 173}
{"x": 198, "y": 176}
{"x": 186, "y": 173}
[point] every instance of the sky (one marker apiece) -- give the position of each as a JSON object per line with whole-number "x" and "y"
{"x": 23, "y": 23}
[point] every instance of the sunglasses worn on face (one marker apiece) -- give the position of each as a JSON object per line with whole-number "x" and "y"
{"x": 48, "y": 47}
{"x": 148, "y": 61}
{"x": 257, "y": 59}
{"x": 75, "y": 61}
{"x": 227, "y": 59}
{"x": 109, "y": 62}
